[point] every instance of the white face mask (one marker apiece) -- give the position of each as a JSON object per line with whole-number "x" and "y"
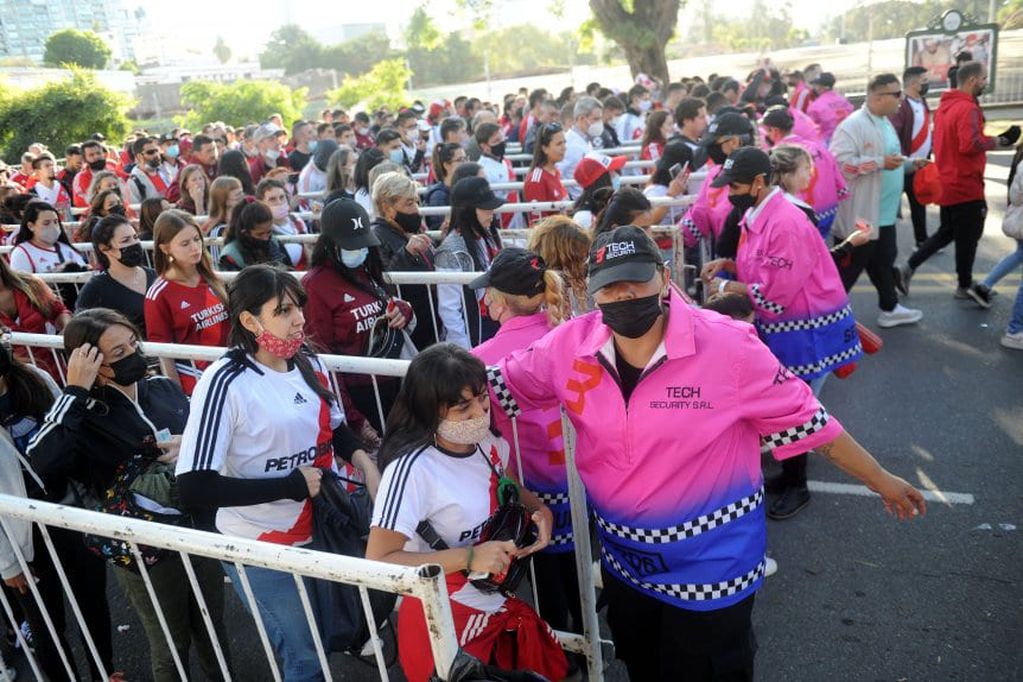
{"x": 49, "y": 234}
{"x": 596, "y": 129}
{"x": 353, "y": 259}
{"x": 280, "y": 212}
{"x": 645, "y": 105}
{"x": 467, "y": 432}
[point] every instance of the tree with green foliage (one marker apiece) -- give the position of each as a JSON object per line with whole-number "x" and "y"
{"x": 1010, "y": 16}
{"x": 291, "y": 48}
{"x": 422, "y": 33}
{"x": 221, "y": 51}
{"x": 357, "y": 56}
{"x": 894, "y": 18}
{"x": 61, "y": 113}
{"x": 81, "y": 48}
{"x": 383, "y": 86}
{"x": 641, "y": 28}
{"x": 239, "y": 103}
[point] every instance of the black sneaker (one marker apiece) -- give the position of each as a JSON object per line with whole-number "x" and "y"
{"x": 902, "y": 274}
{"x": 789, "y": 504}
{"x": 981, "y": 294}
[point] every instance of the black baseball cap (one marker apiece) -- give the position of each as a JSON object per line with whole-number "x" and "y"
{"x": 514, "y": 271}
{"x": 778, "y": 117}
{"x": 743, "y": 165}
{"x": 346, "y": 223}
{"x": 726, "y": 125}
{"x": 826, "y": 79}
{"x": 625, "y": 254}
{"x": 475, "y": 192}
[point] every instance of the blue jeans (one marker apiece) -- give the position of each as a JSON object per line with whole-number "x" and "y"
{"x": 1016, "y": 323}
{"x": 284, "y": 618}
{"x": 1005, "y": 266}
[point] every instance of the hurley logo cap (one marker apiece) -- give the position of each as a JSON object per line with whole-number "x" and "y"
{"x": 625, "y": 254}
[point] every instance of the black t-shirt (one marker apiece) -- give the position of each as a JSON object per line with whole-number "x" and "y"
{"x": 628, "y": 375}
{"x": 103, "y": 291}
{"x": 298, "y": 159}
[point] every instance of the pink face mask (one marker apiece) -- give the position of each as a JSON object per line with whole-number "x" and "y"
{"x": 284, "y": 349}
{"x": 280, "y": 212}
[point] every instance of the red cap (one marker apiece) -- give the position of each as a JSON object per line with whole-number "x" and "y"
{"x": 594, "y": 165}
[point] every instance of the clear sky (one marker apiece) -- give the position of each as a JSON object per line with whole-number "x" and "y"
{"x": 246, "y": 26}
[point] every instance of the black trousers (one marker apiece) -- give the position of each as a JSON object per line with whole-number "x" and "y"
{"x": 917, "y": 212}
{"x": 877, "y": 257}
{"x": 557, "y": 588}
{"x": 87, "y": 575}
{"x": 963, "y": 224}
{"x": 661, "y": 643}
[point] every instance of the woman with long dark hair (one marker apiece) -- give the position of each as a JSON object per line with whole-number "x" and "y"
{"x": 109, "y": 420}
{"x": 41, "y": 244}
{"x": 443, "y": 467}
{"x": 232, "y": 164}
{"x": 628, "y": 206}
{"x": 659, "y": 127}
{"x": 469, "y": 246}
{"x": 28, "y": 305}
{"x": 249, "y": 238}
{"x": 543, "y": 179}
{"x": 26, "y": 395}
{"x": 347, "y": 294}
{"x": 149, "y": 210}
{"x": 186, "y": 302}
{"x": 124, "y": 280}
{"x": 447, "y": 157}
{"x": 266, "y": 398}
{"x": 599, "y": 176}
{"x": 368, "y": 160}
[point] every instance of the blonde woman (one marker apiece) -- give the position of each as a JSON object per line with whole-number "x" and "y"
{"x": 404, "y": 248}
{"x": 193, "y": 186}
{"x": 564, "y": 246}
{"x": 186, "y": 303}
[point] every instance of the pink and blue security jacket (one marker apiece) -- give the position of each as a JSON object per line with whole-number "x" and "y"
{"x": 802, "y": 310}
{"x": 673, "y": 476}
{"x": 539, "y": 431}
{"x": 706, "y": 216}
{"x": 827, "y": 184}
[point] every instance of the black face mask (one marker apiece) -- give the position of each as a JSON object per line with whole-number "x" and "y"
{"x": 116, "y": 210}
{"x": 924, "y": 89}
{"x": 497, "y": 150}
{"x": 129, "y": 369}
{"x": 716, "y": 153}
{"x": 409, "y": 222}
{"x": 632, "y": 318}
{"x": 132, "y": 256}
{"x": 743, "y": 202}
{"x": 98, "y": 164}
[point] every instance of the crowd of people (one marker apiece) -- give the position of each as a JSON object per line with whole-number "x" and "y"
{"x": 794, "y": 193}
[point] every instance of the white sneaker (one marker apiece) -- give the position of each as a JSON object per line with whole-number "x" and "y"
{"x": 900, "y": 314}
{"x": 1013, "y": 341}
{"x": 771, "y": 568}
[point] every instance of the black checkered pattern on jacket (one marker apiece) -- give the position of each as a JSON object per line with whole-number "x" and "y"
{"x": 769, "y": 306}
{"x": 504, "y": 397}
{"x": 701, "y": 524}
{"x": 825, "y": 363}
{"x": 688, "y": 224}
{"x": 812, "y": 323}
{"x": 695, "y": 591}
{"x": 797, "y": 433}
{"x": 553, "y": 498}
{"x": 557, "y": 540}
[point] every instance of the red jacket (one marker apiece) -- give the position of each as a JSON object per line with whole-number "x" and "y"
{"x": 960, "y": 148}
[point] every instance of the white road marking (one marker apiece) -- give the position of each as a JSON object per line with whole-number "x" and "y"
{"x": 864, "y": 491}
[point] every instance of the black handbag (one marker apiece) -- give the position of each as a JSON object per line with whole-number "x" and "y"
{"x": 341, "y": 526}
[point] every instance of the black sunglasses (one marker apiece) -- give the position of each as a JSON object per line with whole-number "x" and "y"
{"x": 549, "y": 130}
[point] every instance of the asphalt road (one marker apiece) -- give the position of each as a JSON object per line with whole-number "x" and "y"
{"x": 859, "y": 596}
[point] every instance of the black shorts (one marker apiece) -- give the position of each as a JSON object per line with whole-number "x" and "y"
{"x": 661, "y": 642}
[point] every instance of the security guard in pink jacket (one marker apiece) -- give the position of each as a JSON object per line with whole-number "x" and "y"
{"x": 671, "y": 405}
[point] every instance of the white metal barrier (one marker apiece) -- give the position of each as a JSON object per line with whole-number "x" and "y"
{"x": 426, "y": 583}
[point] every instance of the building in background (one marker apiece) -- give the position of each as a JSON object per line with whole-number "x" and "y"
{"x": 26, "y": 24}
